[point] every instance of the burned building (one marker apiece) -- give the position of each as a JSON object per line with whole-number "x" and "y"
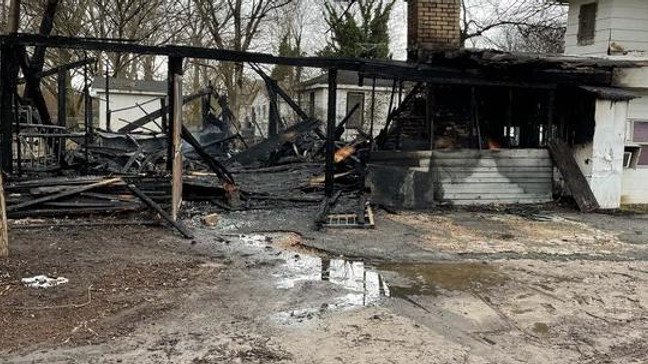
{"x": 481, "y": 133}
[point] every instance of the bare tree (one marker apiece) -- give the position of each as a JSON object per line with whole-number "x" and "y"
{"x": 514, "y": 25}
{"x": 237, "y": 25}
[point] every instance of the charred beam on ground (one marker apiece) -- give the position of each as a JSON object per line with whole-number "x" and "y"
{"x": 155, "y": 207}
{"x": 63, "y": 194}
{"x": 211, "y": 162}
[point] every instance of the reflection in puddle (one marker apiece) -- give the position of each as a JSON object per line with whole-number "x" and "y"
{"x": 365, "y": 286}
{"x": 364, "y": 282}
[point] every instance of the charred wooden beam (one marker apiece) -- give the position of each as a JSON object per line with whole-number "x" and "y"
{"x": 8, "y": 76}
{"x": 329, "y": 179}
{"x": 107, "y": 96}
{"x": 373, "y": 112}
{"x": 574, "y": 178}
{"x": 162, "y": 112}
{"x": 273, "y": 119}
{"x": 525, "y": 77}
{"x": 175, "y": 131}
{"x": 87, "y": 120}
{"x": 61, "y": 81}
{"x": 55, "y": 70}
{"x": 155, "y": 207}
{"x": 284, "y": 95}
{"x": 429, "y": 113}
{"x": 261, "y": 151}
{"x": 60, "y": 195}
{"x": 211, "y": 162}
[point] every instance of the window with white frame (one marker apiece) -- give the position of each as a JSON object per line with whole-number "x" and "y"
{"x": 357, "y": 119}
{"x": 636, "y": 151}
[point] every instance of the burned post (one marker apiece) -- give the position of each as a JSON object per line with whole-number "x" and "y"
{"x": 107, "y": 98}
{"x": 273, "y": 117}
{"x": 329, "y": 180}
{"x": 429, "y": 112}
{"x": 8, "y": 76}
{"x": 175, "y": 131}
{"x": 87, "y": 120}
{"x": 61, "y": 80}
{"x": 373, "y": 113}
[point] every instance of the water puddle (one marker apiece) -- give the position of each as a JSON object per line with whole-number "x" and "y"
{"x": 362, "y": 285}
{"x": 368, "y": 284}
{"x": 358, "y": 284}
{"x": 435, "y": 278}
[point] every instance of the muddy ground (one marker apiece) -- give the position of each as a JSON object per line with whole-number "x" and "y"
{"x": 262, "y": 287}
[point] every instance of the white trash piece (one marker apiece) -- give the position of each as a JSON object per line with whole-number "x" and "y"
{"x": 42, "y": 281}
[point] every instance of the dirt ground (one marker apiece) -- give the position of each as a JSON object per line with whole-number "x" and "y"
{"x": 119, "y": 275}
{"x": 261, "y": 287}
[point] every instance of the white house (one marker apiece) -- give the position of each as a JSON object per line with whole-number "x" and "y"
{"x": 617, "y": 165}
{"x": 129, "y": 100}
{"x": 314, "y": 99}
{"x": 313, "y": 95}
{"x": 256, "y": 113}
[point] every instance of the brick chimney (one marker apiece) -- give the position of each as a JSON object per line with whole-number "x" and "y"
{"x": 433, "y": 25}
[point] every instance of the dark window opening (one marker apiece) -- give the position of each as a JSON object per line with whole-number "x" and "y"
{"x": 587, "y": 23}
{"x": 643, "y": 157}
{"x": 631, "y": 157}
{"x": 353, "y": 99}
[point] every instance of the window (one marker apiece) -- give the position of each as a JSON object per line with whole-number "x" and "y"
{"x": 353, "y": 99}
{"x": 642, "y": 160}
{"x": 587, "y": 23}
{"x": 640, "y": 132}
{"x": 636, "y": 155}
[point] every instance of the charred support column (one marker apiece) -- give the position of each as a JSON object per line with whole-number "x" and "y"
{"x": 509, "y": 118}
{"x": 175, "y": 132}
{"x": 474, "y": 107}
{"x": 87, "y": 121}
{"x": 429, "y": 112}
{"x": 373, "y": 112}
{"x": 330, "y": 133}
{"x": 61, "y": 82}
{"x": 551, "y": 102}
{"x": 165, "y": 119}
{"x": 107, "y": 98}
{"x": 8, "y": 79}
{"x": 204, "y": 108}
{"x": 273, "y": 120}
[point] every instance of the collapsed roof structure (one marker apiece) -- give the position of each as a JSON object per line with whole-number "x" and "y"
{"x": 464, "y": 108}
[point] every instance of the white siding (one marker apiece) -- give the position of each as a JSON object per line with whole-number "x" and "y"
{"x": 321, "y": 105}
{"x": 602, "y": 34}
{"x": 623, "y": 22}
{"x": 120, "y": 100}
{"x": 607, "y": 152}
{"x": 462, "y": 177}
{"x": 635, "y": 180}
